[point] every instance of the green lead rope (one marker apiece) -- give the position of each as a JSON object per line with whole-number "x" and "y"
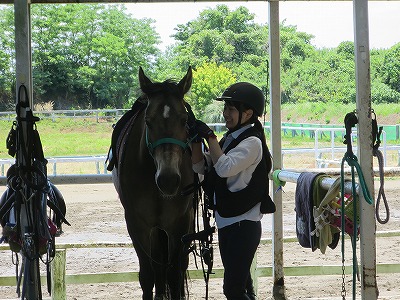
{"x": 349, "y": 157}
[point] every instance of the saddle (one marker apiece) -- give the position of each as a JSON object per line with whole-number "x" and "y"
{"x": 121, "y": 131}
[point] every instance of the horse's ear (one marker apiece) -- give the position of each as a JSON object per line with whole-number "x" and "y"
{"x": 144, "y": 81}
{"x": 186, "y": 81}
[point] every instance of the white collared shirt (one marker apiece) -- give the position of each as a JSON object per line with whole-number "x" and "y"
{"x": 237, "y": 166}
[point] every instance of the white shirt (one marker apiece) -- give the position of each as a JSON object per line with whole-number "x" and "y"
{"x": 237, "y": 166}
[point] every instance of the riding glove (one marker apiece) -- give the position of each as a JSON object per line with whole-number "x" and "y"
{"x": 204, "y": 131}
{"x": 191, "y": 125}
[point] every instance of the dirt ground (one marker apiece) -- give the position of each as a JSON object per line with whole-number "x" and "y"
{"x": 96, "y": 215}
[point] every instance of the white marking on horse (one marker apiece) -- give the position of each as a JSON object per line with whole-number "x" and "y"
{"x": 166, "y": 111}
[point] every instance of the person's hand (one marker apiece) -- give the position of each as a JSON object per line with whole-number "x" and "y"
{"x": 191, "y": 125}
{"x": 191, "y": 121}
{"x": 204, "y": 131}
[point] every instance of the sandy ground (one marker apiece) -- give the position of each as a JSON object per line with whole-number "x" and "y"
{"x": 97, "y": 216}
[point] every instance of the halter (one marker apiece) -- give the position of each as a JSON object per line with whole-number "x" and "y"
{"x": 151, "y": 146}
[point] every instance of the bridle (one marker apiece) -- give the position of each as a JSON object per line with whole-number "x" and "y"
{"x": 167, "y": 140}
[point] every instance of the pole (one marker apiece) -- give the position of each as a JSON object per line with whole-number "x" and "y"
{"x": 276, "y": 143}
{"x": 23, "y": 53}
{"x": 369, "y": 288}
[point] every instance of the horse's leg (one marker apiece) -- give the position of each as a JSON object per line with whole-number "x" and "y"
{"x": 159, "y": 255}
{"x": 177, "y": 274}
{"x": 184, "y": 262}
{"x": 146, "y": 274}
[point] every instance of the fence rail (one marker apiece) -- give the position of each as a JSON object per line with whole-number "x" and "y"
{"x": 100, "y": 166}
{"x": 62, "y": 114}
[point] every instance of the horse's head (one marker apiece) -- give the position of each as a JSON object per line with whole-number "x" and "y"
{"x": 165, "y": 126}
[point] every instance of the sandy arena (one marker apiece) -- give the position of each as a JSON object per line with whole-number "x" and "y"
{"x": 96, "y": 215}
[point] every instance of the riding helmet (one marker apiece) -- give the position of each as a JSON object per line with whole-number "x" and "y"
{"x": 245, "y": 93}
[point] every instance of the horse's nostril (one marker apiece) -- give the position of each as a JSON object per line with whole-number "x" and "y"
{"x": 168, "y": 183}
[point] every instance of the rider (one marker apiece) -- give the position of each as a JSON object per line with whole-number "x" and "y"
{"x": 236, "y": 178}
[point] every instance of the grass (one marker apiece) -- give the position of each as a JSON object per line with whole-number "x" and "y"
{"x": 334, "y": 113}
{"x": 67, "y": 137}
{"x": 79, "y": 136}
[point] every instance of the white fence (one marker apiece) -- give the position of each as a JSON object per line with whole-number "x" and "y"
{"x": 60, "y": 114}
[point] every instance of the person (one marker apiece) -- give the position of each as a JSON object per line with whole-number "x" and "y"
{"x": 236, "y": 179}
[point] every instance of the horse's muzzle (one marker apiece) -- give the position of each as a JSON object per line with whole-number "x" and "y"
{"x": 168, "y": 184}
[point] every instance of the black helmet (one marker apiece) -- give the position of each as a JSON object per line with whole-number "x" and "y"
{"x": 245, "y": 93}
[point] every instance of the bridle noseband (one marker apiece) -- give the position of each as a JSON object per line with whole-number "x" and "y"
{"x": 151, "y": 146}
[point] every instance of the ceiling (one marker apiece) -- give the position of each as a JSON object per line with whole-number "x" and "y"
{"x": 159, "y": 1}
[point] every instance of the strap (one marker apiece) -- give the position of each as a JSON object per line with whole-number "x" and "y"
{"x": 381, "y": 192}
{"x": 350, "y": 158}
{"x": 376, "y": 134}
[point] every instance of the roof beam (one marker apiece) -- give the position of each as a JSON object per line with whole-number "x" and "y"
{"x": 158, "y": 1}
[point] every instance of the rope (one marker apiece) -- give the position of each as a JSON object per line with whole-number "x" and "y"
{"x": 381, "y": 192}
{"x": 350, "y": 121}
{"x": 376, "y": 134}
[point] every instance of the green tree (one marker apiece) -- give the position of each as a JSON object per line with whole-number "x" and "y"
{"x": 221, "y": 36}
{"x": 390, "y": 71}
{"x": 209, "y": 81}
{"x": 7, "y": 58}
{"x": 296, "y": 46}
{"x": 88, "y": 55}
{"x": 324, "y": 76}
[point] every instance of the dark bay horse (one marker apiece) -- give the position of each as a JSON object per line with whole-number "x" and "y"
{"x": 153, "y": 168}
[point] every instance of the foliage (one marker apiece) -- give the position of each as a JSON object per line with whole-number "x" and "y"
{"x": 7, "y": 57}
{"x": 382, "y": 93}
{"x": 210, "y": 81}
{"x": 88, "y": 55}
{"x": 391, "y": 68}
{"x": 326, "y": 76}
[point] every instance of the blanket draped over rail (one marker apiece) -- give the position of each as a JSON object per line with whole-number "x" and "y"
{"x": 310, "y": 194}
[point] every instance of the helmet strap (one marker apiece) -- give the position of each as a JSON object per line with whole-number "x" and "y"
{"x": 239, "y": 123}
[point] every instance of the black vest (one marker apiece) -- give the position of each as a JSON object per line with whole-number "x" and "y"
{"x": 230, "y": 204}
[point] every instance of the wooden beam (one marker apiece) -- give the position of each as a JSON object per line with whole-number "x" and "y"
{"x": 160, "y": 1}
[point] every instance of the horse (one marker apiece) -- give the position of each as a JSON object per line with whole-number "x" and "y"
{"x": 152, "y": 171}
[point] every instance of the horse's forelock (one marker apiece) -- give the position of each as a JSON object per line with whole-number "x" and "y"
{"x": 169, "y": 86}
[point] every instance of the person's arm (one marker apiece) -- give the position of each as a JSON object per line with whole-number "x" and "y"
{"x": 197, "y": 153}
{"x": 214, "y": 149}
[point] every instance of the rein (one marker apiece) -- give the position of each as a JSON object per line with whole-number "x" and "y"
{"x": 203, "y": 238}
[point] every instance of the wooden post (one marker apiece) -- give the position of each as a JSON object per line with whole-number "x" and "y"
{"x": 58, "y": 286}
